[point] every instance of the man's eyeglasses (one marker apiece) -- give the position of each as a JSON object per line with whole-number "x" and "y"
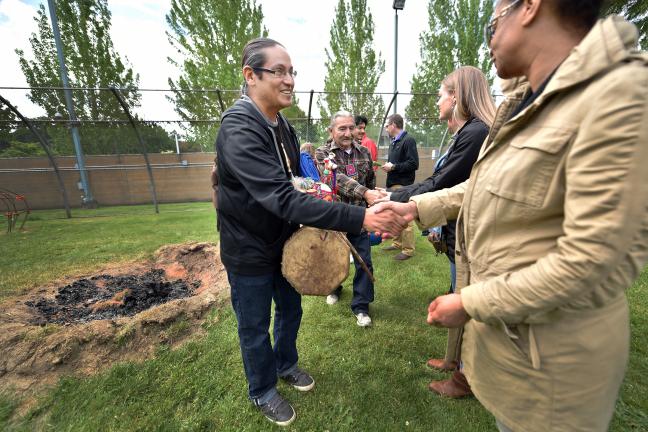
{"x": 278, "y": 73}
{"x": 489, "y": 29}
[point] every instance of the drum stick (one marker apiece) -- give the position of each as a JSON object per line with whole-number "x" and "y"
{"x": 356, "y": 255}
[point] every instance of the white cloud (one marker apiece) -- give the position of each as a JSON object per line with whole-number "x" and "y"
{"x": 15, "y": 29}
{"x": 303, "y": 26}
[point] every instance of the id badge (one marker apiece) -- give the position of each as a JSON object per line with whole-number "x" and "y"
{"x": 351, "y": 170}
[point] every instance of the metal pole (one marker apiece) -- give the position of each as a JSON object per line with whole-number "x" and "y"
{"x": 124, "y": 106}
{"x": 45, "y": 144}
{"x": 310, "y": 106}
{"x": 87, "y": 200}
{"x": 177, "y": 146}
{"x": 382, "y": 125}
{"x": 395, "y": 56}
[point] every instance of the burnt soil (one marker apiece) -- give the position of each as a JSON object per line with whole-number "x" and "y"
{"x": 105, "y": 297}
{"x": 79, "y": 326}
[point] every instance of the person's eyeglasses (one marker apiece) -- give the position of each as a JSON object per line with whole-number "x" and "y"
{"x": 491, "y": 26}
{"x": 278, "y": 73}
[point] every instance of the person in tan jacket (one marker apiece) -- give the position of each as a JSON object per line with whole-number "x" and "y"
{"x": 553, "y": 221}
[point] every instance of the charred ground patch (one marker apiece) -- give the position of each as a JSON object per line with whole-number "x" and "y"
{"x": 82, "y": 325}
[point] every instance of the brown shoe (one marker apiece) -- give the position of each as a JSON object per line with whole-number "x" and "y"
{"x": 441, "y": 364}
{"x": 390, "y": 248}
{"x": 456, "y": 387}
{"x": 402, "y": 257}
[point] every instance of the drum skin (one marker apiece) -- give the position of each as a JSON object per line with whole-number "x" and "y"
{"x": 315, "y": 261}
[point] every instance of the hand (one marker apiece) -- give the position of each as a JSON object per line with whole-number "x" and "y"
{"x": 407, "y": 209}
{"x": 387, "y": 167}
{"x": 447, "y": 311}
{"x": 371, "y": 196}
{"x": 385, "y": 221}
{"x": 384, "y": 198}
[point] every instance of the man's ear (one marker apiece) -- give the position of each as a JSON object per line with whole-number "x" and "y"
{"x": 248, "y": 75}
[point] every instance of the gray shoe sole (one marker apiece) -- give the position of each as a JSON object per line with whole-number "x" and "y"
{"x": 305, "y": 388}
{"x": 283, "y": 423}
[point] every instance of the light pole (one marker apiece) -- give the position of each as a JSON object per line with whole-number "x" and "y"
{"x": 397, "y": 5}
{"x": 87, "y": 200}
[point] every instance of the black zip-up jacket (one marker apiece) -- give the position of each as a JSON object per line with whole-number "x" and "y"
{"x": 404, "y": 155}
{"x": 258, "y": 207}
{"x": 456, "y": 169}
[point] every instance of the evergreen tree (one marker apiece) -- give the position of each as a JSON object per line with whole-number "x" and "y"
{"x": 352, "y": 64}
{"x": 455, "y": 38}
{"x": 209, "y": 36}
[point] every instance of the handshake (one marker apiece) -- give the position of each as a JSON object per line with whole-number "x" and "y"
{"x": 388, "y": 218}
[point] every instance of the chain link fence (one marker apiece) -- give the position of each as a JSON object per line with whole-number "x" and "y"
{"x": 136, "y": 146}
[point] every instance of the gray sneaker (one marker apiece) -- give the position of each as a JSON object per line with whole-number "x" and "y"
{"x": 278, "y": 410}
{"x": 299, "y": 379}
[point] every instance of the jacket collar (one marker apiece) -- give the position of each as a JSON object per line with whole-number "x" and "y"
{"x": 609, "y": 42}
{"x": 612, "y": 40}
{"x": 400, "y": 136}
{"x": 246, "y": 106}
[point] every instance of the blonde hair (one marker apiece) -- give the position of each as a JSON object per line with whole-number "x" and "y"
{"x": 472, "y": 94}
{"x": 308, "y": 148}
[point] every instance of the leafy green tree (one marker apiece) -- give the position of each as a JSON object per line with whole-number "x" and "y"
{"x": 209, "y": 36}
{"x": 299, "y": 119}
{"x": 635, "y": 11}
{"x": 455, "y": 38}
{"x": 91, "y": 61}
{"x": 353, "y": 68}
{"x": 89, "y": 56}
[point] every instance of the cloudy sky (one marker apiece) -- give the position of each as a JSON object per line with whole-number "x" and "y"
{"x": 138, "y": 33}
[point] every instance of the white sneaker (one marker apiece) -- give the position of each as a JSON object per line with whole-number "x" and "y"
{"x": 363, "y": 319}
{"x": 332, "y": 299}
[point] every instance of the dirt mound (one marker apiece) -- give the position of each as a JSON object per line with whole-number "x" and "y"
{"x": 121, "y": 314}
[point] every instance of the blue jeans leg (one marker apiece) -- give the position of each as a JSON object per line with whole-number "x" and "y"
{"x": 363, "y": 288}
{"x": 288, "y": 314}
{"x": 252, "y": 300}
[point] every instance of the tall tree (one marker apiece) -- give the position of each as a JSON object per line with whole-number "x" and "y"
{"x": 635, "y": 11}
{"x": 455, "y": 38}
{"x": 352, "y": 65}
{"x": 91, "y": 61}
{"x": 208, "y": 36}
{"x": 90, "y": 58}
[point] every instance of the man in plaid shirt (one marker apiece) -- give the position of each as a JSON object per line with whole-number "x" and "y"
{"x": 355, "y": 181}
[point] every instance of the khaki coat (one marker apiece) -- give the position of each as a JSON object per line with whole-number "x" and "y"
{"x": 552, "y": 229}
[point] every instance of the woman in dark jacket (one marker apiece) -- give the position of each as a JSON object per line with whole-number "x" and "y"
{"x": 465, "y": 103}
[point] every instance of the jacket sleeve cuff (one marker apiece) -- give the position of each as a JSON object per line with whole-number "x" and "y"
{"x": 476, "y": 303}
{"x": 430, "y": 211}
{"x": 360, "y": 191}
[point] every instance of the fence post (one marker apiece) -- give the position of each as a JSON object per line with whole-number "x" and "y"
{"x": 308, "y": 123}
{"x": 220, "y": 100}
{"x": 122, "y": 102}
{"x": 45, "y": 145}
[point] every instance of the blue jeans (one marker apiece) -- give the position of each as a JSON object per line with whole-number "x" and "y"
{"x": 252, "y": 301}
{"x": 363, "y": 288}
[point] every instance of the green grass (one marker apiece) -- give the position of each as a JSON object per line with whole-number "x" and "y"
{"x": 52, "y": 246}
{"x": 367, "y": 379}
